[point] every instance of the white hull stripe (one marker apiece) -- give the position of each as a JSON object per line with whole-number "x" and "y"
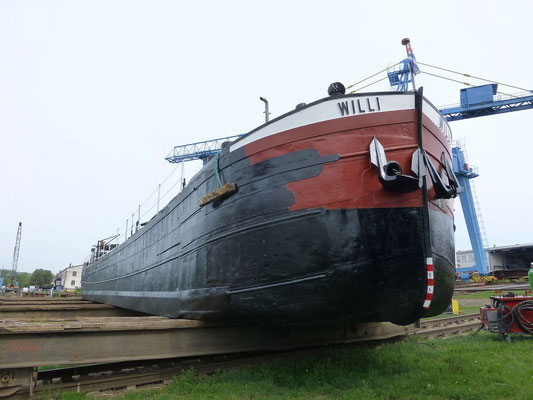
{"x": 430, "y": 283}
{"x": 330, "y": 109}
{"x": 335, "y": 107}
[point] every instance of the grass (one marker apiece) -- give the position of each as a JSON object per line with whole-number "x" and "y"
{"x": 468, "y": 303}
{"x": 478, "y": 295}
{"x": 462, "y": 367}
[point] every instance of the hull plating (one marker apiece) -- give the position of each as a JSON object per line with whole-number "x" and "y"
{"x": 309, "y": 237}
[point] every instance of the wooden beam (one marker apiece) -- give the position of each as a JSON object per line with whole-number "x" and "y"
{"x": 225, "y": 190}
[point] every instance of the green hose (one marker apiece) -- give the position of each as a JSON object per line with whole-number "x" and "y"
{"x": 216, "y": 174}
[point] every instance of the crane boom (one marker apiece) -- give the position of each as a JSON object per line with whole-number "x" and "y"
{"x": 16, "y": 251}
{"x": 480, "y": 101}
{"x": 199, "y": 150}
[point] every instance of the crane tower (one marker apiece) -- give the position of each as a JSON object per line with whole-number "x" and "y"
{"x": 16, "y": 256}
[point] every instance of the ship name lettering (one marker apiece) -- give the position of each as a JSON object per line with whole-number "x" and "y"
{"x": 359, "y": 106}
{"x": 444, "y": 127}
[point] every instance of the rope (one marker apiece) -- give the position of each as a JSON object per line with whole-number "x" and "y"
{"x": 216, "y": 174}
{"x": 371, "y": 76}
{"x": 472, "y": 76}
{"x": 216, "y": 170}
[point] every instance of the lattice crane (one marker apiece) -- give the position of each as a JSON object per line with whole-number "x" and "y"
{"x": 16, "y": 251}
{"x": 199, "y": 150}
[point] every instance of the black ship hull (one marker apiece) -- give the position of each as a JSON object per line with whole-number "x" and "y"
{"x": 289, "y": 247}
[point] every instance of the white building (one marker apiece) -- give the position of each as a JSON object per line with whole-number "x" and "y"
{"x": 465, "y": 258}
{"x": 70, "y": 277}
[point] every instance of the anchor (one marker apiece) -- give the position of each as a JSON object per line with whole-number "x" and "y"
{"x": 393, "y": 180}
{"x": 390, "y": 172}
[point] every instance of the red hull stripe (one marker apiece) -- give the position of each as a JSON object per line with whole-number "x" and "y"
{"x": 351, "y": 182}
{"x": 430, "y": 282}
{"x": 316, "y": 136}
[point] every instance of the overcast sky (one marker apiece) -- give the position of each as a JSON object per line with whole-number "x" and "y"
{"x": 94, "y": 94}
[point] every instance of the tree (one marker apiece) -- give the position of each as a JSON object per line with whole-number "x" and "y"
{"x": 23, "y": 278}
{"x": 41, "y": 277}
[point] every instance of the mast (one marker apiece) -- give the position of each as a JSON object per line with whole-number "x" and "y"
{"x": 407, "y": 43}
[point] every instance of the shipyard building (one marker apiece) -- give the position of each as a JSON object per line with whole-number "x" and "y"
{"x": 517, "y": 257}
{"x": 70, "y": 277}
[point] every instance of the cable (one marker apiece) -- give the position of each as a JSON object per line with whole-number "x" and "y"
{"x": 150, "y": 196}
{"x": 463, "y": 83}
{"x": 525, "y": 324}
{"x": 155, "y": 191}
{"x": 161, "y": 198}
{"x": 370, "y": 84}
{"x": 371, "y": 76}
{"x": 472, "y": 76}
{"x": 168, "y": 191}
{"x": 444, "y": 77}
{"x": 506, "y": 319}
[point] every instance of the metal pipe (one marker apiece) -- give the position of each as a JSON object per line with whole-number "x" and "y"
{"x": 126, "y": 235}
{"x": 267, "y": 113}
{"x": 406, "y": 43}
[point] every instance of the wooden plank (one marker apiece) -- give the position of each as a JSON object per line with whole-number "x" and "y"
{"x": 41, "y": 302}
{"x": 225, "y": 190}
{"x": 88, "y": 324}
{"x": 50, "y": 307}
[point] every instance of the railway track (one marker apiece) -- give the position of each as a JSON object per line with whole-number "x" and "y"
{"x": 143, "y": 350}
{"x": 447, "y": 326}
{"x": 478, "y": 287}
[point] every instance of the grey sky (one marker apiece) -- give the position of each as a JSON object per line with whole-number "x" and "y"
{"x": 94, "y": 94}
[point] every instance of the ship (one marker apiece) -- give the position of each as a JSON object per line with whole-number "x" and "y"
{"x": 339, "y": 210}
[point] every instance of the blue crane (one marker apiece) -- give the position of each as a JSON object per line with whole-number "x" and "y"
{"x": 400, "y": 76}
{"x": 199, "y": 150}
{"x": 478, "y": 101}
{"x": 472, "y": 215}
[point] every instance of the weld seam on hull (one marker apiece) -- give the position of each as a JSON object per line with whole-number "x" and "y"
{"x": 276, "y": 284}
{"x": 285, "y": 219}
